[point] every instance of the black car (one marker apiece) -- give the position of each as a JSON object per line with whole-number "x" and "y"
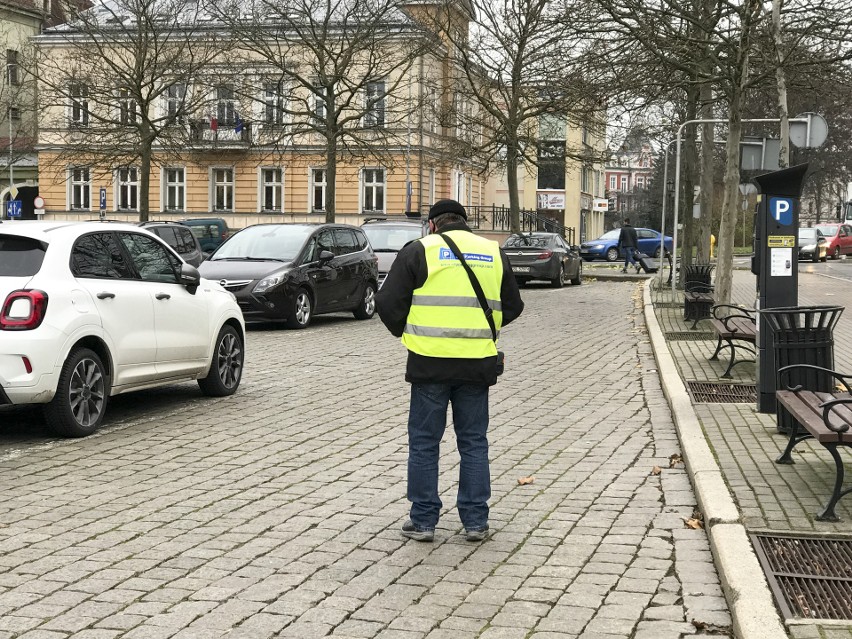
{"x": 179, "y": 237}
{"x": 291, "y": 272}
{"x": 543, "y": 256}
{"x": 388, "y": 235}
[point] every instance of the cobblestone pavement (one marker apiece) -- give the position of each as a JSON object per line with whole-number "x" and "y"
{"x": 275, "y": 513}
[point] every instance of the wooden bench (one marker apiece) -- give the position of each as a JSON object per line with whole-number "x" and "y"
{"x": 697, "y": 302}
{"x": 824, "y": 417}
{"x": 733, "y": 324}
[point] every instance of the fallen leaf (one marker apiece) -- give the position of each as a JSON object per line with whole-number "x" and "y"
{"x": 699, "y": 624}
{"x": 695, "y": 524}
{"x": 656, "y": 470}
{"x": 523, "y": 481}
{"x": 674, "y": 460}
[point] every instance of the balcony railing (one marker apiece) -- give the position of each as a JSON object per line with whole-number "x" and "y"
{"x": 224, "y": 134}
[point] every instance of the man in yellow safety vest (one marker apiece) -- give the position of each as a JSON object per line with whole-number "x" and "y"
{"x": 429, "y": 301}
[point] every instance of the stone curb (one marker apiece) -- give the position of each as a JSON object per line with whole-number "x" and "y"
{"x": 746, "y": 591}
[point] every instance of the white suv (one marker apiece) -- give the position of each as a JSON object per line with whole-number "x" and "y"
{"x": 89, "y": 310}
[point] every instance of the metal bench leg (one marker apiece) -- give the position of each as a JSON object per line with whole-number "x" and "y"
{"x": 697, "y": 318}
{"x": 727, "y": 373}
{"x": 715, "y": 355}
{"x": 828, "y": 513}
{"x": 796, "y": 436}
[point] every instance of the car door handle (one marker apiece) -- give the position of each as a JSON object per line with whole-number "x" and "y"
{"x": 163, "y": 296}
{"x": 104, "y": 295}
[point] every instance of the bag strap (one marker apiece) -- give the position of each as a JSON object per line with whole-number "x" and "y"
{"x": 477, "y": 287}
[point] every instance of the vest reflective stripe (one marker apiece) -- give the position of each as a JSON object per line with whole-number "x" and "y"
{"x": 453, "y": 300}
{"x": 445, "y": 318}
{"x": 464, "y": 333}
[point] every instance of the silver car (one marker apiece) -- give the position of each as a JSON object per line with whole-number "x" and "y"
{"x": 388, "y": 236}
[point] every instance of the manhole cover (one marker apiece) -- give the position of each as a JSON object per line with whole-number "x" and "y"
{"x": 716, "y": 393}
{"x": 811, "y": 577}
{"x": 686, "y": 336}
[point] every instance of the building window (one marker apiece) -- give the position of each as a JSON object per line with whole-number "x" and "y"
{"x": 81, "y": 189}
{"x": 12, "y": 75}
{"x": 223, "y": 189}
{"x": 551, "y": 165}
{"x": 271, "y": 190}
{"x": 126, "y": 107}
{"x": 79, "y": 104}
{"x": 226, "y": 109}
{"x": 373, "y": 181}
{"x": 613, "y": 183}
{"x": 319, "y": 100}
{"x": 273, "y": 103}
{"x": 175, "y": 189}
{"x": 318, "y": 184}
{"x": 624, "y": 183}
{"x": 585, "y": 134}
{"x": 128, "y": 189}
{"x": 640, "y": 182}
{"x": 585, "y": 182}
{"x": 14, "y": 113}
{"x": 175, "y": 95}
{"x": 375, "y": 107}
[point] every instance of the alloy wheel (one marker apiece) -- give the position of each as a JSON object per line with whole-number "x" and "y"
{"x": 303, "y": 308}
{"x": 229, "y": 360}
{"x": 86, "y": 393}
{"x": 370, "y": 301}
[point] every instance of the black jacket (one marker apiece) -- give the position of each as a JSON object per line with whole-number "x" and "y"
{"x": 627, "y": 237}
{"x": 393, "y": 303}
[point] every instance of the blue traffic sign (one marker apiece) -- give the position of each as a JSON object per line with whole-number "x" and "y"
{"x": 103, "y": 199}
{"x": 14, "y": 208}
{"x": 781, "y": 210}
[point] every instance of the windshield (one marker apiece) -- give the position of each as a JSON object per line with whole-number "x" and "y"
{"x": 265, "y": 242}
{"x": 829, "y": 230}
{"x": 807, "y": 235}
{"x": 390, "y": 238}
{"x": 610, "y": 235}
{"x": 536, "y": 241}
{"x": 20, "y": 256}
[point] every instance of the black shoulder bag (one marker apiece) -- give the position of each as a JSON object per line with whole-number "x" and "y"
{"x": 480, "y": 295}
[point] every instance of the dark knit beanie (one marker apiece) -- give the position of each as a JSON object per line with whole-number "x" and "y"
{"x": 446, "y": 206}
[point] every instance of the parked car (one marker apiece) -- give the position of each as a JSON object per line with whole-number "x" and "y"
{"x": 291, "y": 272}
{"x": 387, "y": 236}
{"x": 606, "y": 246}
{"x": 91, "y": 310}
{"x": 838, "y": 239}
{"x": 179, "y": 237}
{"x": 812, "y": 245}
{"x": 210, "y": 231}
{"x": 543, "y": 256}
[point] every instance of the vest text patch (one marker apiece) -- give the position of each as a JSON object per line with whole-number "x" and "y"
{"x": 447, "y": 254}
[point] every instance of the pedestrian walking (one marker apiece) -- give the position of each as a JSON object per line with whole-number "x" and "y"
{"x": 628, "y": 243}
{"x": 430, "y": 300}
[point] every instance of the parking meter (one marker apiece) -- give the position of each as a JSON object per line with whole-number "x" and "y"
{"x": 775, "y": 263}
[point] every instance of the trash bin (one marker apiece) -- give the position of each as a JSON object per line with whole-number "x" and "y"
{"x": 698, "y": 273}
{"x": 802, "y": 335}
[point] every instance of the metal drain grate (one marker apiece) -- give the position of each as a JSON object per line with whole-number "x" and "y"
{"x": 669, "y": 304}
{"x": 811, "y": 577}
{"x": 715, "y": 393}
{"x": 686, "y": 336}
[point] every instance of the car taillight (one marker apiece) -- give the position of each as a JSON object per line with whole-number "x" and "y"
{"x": 23, "y": 310}
{"x": 544, "y": 255}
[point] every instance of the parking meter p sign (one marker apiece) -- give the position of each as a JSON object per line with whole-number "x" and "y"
{"x": 13, "y": 208}
{"x": 103, "y": 199}
{"x": 781, "y": 210}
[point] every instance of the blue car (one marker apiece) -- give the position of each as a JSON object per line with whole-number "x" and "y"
{"x": 606, "y": 246}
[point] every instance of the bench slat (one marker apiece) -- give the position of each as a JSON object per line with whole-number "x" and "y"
{"x": 804, "y": 407}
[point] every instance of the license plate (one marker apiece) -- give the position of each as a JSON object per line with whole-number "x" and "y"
{"x": 520, "y": 269}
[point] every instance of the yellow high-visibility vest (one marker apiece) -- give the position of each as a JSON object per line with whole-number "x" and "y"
{"x": 446, "y": 319}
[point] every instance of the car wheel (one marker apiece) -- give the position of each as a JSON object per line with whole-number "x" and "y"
{"x": 835, "y": 254}
{"x": 559, "y": 280}
{"x": 226, "y": 366}
{"x": 367, "y": 307}
{"x": 579, "y": 279}
{"x": 816, "y": 257}
{"x": 612, "y": 255}
{"x": 302, "y": 312}
{"x": 78, "y": 407}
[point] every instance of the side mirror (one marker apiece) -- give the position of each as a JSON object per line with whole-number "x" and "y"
{"x": 189, "y": 276}
{"x": 821, "y": 240}
{"x": 325, "y": 256}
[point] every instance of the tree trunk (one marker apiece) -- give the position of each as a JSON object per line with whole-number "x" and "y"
{"x": 707, "y": 181}
{"x": 724, "y": 268}
{"x": 145, "y": 153}
{"x": 514, "y": 197}
{"x": 781, "y": 82}
{"x": 690, "y": 162}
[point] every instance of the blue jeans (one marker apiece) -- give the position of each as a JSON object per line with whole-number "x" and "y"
{"x": 628, "y": 255}
{"x": 427, "y": 420}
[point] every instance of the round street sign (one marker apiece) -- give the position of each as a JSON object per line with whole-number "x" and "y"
{"x": 38, "y": 202}
{"x": 810, "y": 134}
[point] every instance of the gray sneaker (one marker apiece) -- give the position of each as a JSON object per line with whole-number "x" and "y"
{"x": 417, "y": 534}
{"x": 476, "y": 534}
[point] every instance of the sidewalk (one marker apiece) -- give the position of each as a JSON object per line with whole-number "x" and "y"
{"x": 742, "y": 446}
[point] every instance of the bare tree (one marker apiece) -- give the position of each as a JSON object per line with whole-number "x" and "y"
{"x": 341, "y": 75}
{"x": 120, "y": 81}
